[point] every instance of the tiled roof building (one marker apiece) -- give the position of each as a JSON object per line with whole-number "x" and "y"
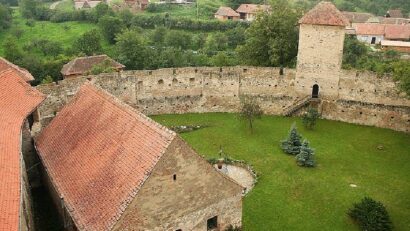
{"x": 113, "y": 167}
{"x": 83, "y": 65}
{"x": 17, "y": 100}
{"x": 248, "y": 11}
{"x": 226, "y": 13}
{"x": 23, "y": 73}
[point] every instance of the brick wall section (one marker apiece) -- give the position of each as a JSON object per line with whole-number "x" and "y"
{"x": 206, "y": 89}
{"x": 193, "y": 201}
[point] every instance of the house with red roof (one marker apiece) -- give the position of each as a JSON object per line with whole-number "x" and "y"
{"x": 17, "y": 101}
{"x": 226, "y": 13}
{"x": 248, "y": 12}
{"x": 109, "y": 167}
{"x": 23, "y": 73}
{"x": 373, "y": 33}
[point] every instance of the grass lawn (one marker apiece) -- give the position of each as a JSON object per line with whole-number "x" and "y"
{"x": 288, "y": 197}
{"x": 65, "y": 32}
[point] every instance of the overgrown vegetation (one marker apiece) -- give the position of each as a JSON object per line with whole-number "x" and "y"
{"x": 371, "y": 215}
{"x": 358, "y": 56}
{"x": 310, "y": 117}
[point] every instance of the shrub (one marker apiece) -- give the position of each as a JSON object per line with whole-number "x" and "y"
{"x": 250, "y": 110}
{"x": 306, "y": 156}
{"x": 293, "y": 143}
{"x": 371, "y": 215}
{"x": 310, "y": 117}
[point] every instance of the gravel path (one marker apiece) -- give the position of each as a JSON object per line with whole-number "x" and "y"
{"x": 239, "y": 174}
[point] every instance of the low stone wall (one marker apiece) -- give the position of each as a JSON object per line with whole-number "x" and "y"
{"x": 210, "y": 89}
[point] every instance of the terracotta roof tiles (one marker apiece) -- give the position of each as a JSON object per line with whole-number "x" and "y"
{"x": 17, "y": 100}
{"x": 82, "y": 65}
{"x": 110, "y": 149}
{"x": 227, "y": 11}
{"x": 324, "y": 13}
{"x": 23, "y": 73}
{"x": 252, "y": 8}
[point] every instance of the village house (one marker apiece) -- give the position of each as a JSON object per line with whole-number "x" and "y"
{"x": 84, "y": 65}
{"x": 357, "y": 17}
{"x": 370, "y": 33}
{"x": 226, "y": 13}
{"x": 109, "y": 167}
{"x": 248, "y": 12}
{"x": 398, "y": 46}
{"x": 17, "y": 101}
{"x": 374, "y": 33}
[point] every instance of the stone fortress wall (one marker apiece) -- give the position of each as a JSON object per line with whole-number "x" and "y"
{"x": 361, "y": 97}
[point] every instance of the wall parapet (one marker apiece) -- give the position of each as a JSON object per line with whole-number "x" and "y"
{"x": 214, "y": 89}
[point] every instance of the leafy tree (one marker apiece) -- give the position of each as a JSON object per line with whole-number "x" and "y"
{"x": 5, "y": 17}
{"x": 131, "y": 49}
{"x": 178, "y": 39}
{"x": 272, "y": 39}
{"x": 216, "y": 42}
{"x": 28, "y": 8}
{"x": 236, "y": 36}
{"x": 401, "y": 72}
{"x": 158, "y": 35}
{"x": 47, "y": 79}
{"x": 44, "y": 46}
{"x": 110, "y": 26}
{"x": 353, "y": 52}
{"x": 306, "y": 156}
{"x": 101, "y": 10}
{"x": 310, "y": 117}
{"x": 12, "y": 51}
{"x": 250, "y": 110}
{"x": 293, "y": 143}
{"x": 89, "y": 43}
{"x": 220, "y": 59}
{"x": 371, "y": 215}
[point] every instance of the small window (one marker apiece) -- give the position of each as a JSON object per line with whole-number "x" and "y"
{"x": 174, "y": 176}
{"x": 212, "y": 223}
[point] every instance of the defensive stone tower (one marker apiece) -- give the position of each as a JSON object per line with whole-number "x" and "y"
{"x": 321, "y": 38}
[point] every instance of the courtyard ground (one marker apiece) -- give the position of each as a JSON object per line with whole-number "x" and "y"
{"x": 288, "y": 197}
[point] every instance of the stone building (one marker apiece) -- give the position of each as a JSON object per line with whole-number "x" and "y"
{"x": 17, "y": 101}
{"x": 84, "y": 65}
{"x": 321, "y": 40}
{"x": 109, "y": 167}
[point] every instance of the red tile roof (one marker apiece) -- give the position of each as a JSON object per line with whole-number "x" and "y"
{"x": 83, "y": 65}
{"x": 324, "y": 13}
{"x": 369, "y": 29}
{"x": 357, "y": 17}
{"x": 389, "y": 31}
{"x": 252, "y": 8}
{"x": 23, "y": 73}
{"x": 227, "y": 11}
{"x": 17, "y": 100}
{"x": 397, "y": 32}
{"x": 98, "y": 152}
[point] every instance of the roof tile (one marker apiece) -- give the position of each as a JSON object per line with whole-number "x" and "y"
{"x": 324, "y": 13}
{"x": 111, "y": 149}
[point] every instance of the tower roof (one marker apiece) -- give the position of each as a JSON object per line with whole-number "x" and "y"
{"x": 324, "y": 13}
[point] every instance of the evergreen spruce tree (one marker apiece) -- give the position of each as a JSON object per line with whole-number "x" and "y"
{"x": 306, "y": 156}
{"x": 293, "y": 143}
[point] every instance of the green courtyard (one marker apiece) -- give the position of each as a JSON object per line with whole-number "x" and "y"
{"x": 289, "y": 197}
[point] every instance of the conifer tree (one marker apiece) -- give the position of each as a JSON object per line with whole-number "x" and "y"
{"x": 306, "y": 156}
{"x": 293, "y": 143}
